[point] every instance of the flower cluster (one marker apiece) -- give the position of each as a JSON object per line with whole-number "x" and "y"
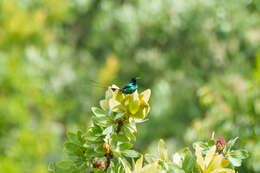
{"x": 132, "y": 105}
{"x": 213, "y": 162}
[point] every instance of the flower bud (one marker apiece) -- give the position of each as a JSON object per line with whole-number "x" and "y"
{"x": 107, "y": 147}
{"x": 220, "y": 143}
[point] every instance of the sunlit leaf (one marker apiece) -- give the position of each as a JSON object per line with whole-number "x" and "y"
{"x": 139, "y": 164}
{"x": 125, "y": 146}
{"x": 236, "y": 156}
{"x": 150, "y": 158}
{"x": 162, "y": 150}
{"x": 131, "y": 153}
{"x": 98, "y": 112}
{"x": 65, "y": 164}
{"x": 108, "y": 130}
{"x": 129, "y": 133}
{"x": 188, "y": 162}
{"x": 231, "y": 143}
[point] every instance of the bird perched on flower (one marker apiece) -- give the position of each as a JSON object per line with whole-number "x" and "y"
{"x": 130, "y": 88}
{"x": 127, "y": 100}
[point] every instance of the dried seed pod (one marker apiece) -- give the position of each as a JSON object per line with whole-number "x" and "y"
{"x": 100, "y": 164}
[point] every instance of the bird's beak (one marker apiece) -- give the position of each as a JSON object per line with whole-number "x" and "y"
{"x": 138, "y": 78}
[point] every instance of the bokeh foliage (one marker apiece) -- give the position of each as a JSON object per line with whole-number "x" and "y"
{"x": 200, "y": 58}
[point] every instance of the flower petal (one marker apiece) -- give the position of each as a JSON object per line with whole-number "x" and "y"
{"x": 145, "y": 95}
{"x": 103, "y": 104}
{"x": 224, "y": 170}
{"x": 134, "y": 103}
{"x": 150, "y": 168}
{"x": 141, "y": 113}
{"x": 225, "y": 163}
{"x": 132, "y": 124}
{"x": 113, "y": 105}
{"x": 139, "y": 165}
{"x": 215, "y": 163}
{"x": 200, "y": 160}
{"x": 210, "y": 155}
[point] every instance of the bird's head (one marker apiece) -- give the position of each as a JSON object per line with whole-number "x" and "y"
{"x": 133, "y": 80}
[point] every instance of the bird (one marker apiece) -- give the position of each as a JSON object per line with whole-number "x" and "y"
{"x": 131, "y": 87}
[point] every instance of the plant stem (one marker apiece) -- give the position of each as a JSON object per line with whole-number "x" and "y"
{"x": 109, "y": 156}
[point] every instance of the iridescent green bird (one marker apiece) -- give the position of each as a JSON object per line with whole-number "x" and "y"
{"x": 130, "y": 88}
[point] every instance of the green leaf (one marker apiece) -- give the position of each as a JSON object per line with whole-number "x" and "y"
{"x": 79, "y": 133}
{"x": 141, "y": 120}
{"x": 95, "y": 140}
{"x": 231, "y": 143}
{"x": 119, "y": 168}
{"x": 189, "y": 162}
{"x": 80, "y": 165}
{"x": 116, "y": 153}
{"x": 102, "y": 121}
{"x": 211, "y": 142}
{"x": 236, "y": 157}
{"x": 108, "y": 130}
{"x": 65, "y": 164}
{"x": 73, "y": 157}
{"x": 131, "y": 153}
{"x": 149, "y": 158}
{"x": 115, "y": 138}
{"x": 235, "y": 161}
{"x": 129, "y": 133}
{"x": 52, "y": 167}
{"x": 98, "y": 112}
{"x": 174, "y": 168}
{"x": 73, "y": 137}
{"x": 70, "y": 146}
{"x": 90, "y": 152}
{"x": 95, "y": 130}
{"x": 125, "y": 146}
{"x": 98, "y": 170}
{"x": 162, "y": 150}
{"x": 99, "y": 149}
{"x": 243, "y": 154}
{"x": 118, "y": 116}
{"x": 80, "y": 137}
{"x": 124, "y": 162}
{"x": 111, "y": 168}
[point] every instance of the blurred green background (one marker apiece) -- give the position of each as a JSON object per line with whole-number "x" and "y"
{"x": 201, "y": 59}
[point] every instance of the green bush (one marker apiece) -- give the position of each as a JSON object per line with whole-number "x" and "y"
{"x": 107, "y": 146}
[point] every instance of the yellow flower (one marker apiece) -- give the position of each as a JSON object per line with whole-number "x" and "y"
{"x": 213, "y": 162}
{"x": 134, "y": 105}
{"x": 150, "y": 168}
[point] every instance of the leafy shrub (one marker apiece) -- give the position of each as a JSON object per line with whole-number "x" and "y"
{"x": 107, "y": 146}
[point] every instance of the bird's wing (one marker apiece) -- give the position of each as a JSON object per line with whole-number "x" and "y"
{"x": 127, "y": 86}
